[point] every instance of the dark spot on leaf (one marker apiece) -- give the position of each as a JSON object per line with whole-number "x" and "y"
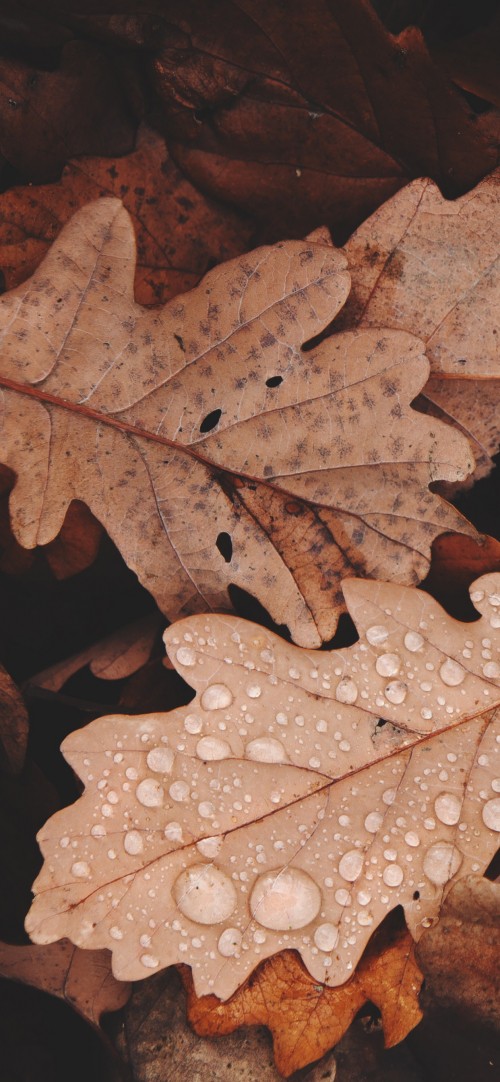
{"x": 225, "y": 546}
{"x": 210, "y": 421}
{"x": 274, "y": 381}
{"x": 180, "y": 342}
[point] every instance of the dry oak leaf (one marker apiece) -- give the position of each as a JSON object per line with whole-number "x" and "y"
{"x": 297, "y": 800}
{"x": 430, "y": 266}
{"x": 14, "y": 724}
{"x": 179, "y": 232}
{"x": 306, "y": 1018}
{"x": 197, "y": 433}
{"x": 85, "y": 106}
{"x": 305, "y": 114}
{"x": 82, "y": 978}
{"x": 115, "y": 657}
{"x": 459, "y": 956}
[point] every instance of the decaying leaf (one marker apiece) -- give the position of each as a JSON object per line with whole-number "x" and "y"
{"x": 307, "y": 1018}
{"x": 198, "y": 433}
{"x": 459, "y": 956}
{"x": 113, "y": 658}
{"x": 306, "y": 114}
{"x": 14, "y": 725}
{"x": 430, "y": 266}
{"x": 297, "y": 800}
{"x": 179, "y": 232}
{"x": 82, "y": 978}
{"x": 48, "y": 116}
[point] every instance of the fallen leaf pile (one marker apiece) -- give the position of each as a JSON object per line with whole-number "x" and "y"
{"x": 249, "y": 388}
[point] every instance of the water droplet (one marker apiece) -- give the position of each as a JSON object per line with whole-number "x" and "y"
{"x": 395, "y": 691}
{"x": 388, "y": 665}
{"x": 365, "y": 918}
{"x": 115, "y": 932}
{"x": 284, "y": 899}
{"x": 254, "y": 691}
{"x": 266, "y": 750}
{"x": 342, "y": 897}
{"x": 98, "y": 831}
{"x": 80, "y": 869}
{"x": 193, "y": 724}
{"x": 206, "y": 809}
{"x": 346, "y": 691}
{"x": 448, "y": 807}
{"x": 491, "y": 814}
{"x": 160, "y": 760}
{"x": 229, "y": 942}
{"x": 150, "y": 793}
{"x": 491, "y": 670}
{"x": 210, "y": 847}
{"x": 211, "y": 748}
{"x": 451, "y": 673}
{"x": 389, "y": 796}
{"x": 373, "y": 822}
{"x": 441, "y": 862}
{"x": 393, "y": 875}
{"x": 326, "y": 937}
{"x": 216, "y": 697}
{"x": 179, "y": 790}
{"x": 205, "y": 894}
{"x": 413, "y": 641}
{"x": 495, "y": 785}
{"x": 350, "y": 865}
{"x": 64, "y": 842}
{"x": 173, "y": 831}
{"x": 133, "y": 843}
{"x": 186, "y": 656}
{"x": 150, "y": 961}
{"x": 377, "y": 634}
{"x": 411, "y": 838}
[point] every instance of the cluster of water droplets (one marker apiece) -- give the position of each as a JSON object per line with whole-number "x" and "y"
{"x": 220, "y": 848}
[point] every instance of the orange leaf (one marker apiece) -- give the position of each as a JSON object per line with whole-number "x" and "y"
{"x": 307, "y": 1018}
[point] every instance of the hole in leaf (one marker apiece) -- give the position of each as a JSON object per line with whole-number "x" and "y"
{"x": 416, "y": 895}
{"x": 210, "y": 421}
{"x": 274, "y": 381}
{"x": 225, "y": 546}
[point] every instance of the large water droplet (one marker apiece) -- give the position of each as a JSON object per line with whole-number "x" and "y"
{"x": 451, "y": 673}
{"x": 205, "y": 894}
{"x": 388, "y": 665}
{"x": 216, "y": 697}
{"x": 179, "y": 791}
{"x": 377, "y": 634}
{"x": 373, "y": 821}
{"x": 266, "y": 750}
{"x": 229, "y": 942}
{"x": 186, "y": 656}
{"x": 284, "y": 899}
{"x": 350, "y": 865}
{"x": 150, "y": 793}
{"x": 491, "y": 814}
{"x": 393, "y": 875}
{"x": 441, "y": 862}
{"x": 210, "y": 847}
{"x": 160, "y": 760}
{"x": 211, "y": 748}
{"x": 326, "y": 937}
{"x": 448, "y": 807}
{"x": 491, "y": 670}
{"x": 413, "y": 641}
{"x": 173, "y": 831}
{"x": 80, "y": 869}
{"x": 346, "y": 691}
{"x": 133, "y": 843}
{"x": 395, "y": 691}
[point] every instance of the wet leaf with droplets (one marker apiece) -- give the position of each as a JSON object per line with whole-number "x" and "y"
{"x": 278, "y": 811}
{"x": 171, "y": 426}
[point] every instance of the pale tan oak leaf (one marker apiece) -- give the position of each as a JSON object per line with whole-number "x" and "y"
{"x": 297, "y": 800}
{"x": 197, "y": 433}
